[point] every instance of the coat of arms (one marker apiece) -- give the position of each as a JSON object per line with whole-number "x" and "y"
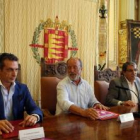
{"x": 56, "y": 41}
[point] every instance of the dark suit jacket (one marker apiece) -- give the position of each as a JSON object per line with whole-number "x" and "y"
{"x": 22, "y": 101}
{"x": 116, "y": 94}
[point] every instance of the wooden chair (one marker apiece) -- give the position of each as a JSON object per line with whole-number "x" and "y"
{"x": 101, "y": 82}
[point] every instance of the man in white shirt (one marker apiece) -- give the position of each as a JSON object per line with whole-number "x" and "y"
{"x": 75, "y": 95}
{"x": 125, "y": 90}
{"x": 15, "y": 97}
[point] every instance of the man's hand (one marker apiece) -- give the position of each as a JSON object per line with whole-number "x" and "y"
{"x": 91, "y": 113}
{"x": 100, "y": 106}
{"x": 5, "y": 126}
{"x": 129, "y": 103}
{"x": 30, "y": 120}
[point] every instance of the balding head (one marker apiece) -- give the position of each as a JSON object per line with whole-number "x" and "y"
{"x": 75, "y": 59}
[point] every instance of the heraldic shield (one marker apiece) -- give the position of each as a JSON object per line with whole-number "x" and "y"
{"x": 56, "y": 45}
{"x": 59, "y": 38}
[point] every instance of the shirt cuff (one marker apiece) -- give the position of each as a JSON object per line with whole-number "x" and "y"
{"x": 67, "y": 106}
{"x": 120, "y": 103}
{"x": 97, "y": 102}
{"x": 38, "y": 118}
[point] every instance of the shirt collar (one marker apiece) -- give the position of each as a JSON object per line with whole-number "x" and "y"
{"x": 129, "y": 81}
{"x": 13, "y": 84}
{"x": 81, "y": 80}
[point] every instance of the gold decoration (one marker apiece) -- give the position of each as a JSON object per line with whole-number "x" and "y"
{"x": 122, "y": 46}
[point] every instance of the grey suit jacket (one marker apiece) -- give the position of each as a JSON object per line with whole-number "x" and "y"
{"x": 116, "y": 94}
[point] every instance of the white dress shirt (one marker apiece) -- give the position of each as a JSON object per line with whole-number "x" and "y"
{"x": 68, "y": 93}
{"x": 7, "y": 99}
{"x": 132, "y": 86}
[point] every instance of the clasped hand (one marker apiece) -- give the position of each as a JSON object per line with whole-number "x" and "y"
{"x": 129, "y": 103}
{"x": 7, "y": 127}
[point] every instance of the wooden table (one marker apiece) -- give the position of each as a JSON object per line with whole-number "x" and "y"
{"x": 74, "y": 127}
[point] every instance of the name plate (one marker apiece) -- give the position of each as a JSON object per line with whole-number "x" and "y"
{"x": 127, "y": 125}
{"x": 33, "y": 133}
{"x": 126, "y": 117}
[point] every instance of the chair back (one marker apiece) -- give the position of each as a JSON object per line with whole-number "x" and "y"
{"x": 49, "y": 93}
{"x": 58, "y": 69}
{"x": 106, "y": 75}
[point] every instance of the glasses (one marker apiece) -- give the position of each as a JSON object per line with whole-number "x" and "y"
{"x": 130, "y": 70}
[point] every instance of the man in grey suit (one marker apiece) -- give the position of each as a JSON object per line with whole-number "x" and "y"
{"x": 126, "y": 89}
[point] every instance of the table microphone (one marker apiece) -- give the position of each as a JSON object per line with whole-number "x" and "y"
{"x": 128, "y": 89}
{"x": 136, "y": 114}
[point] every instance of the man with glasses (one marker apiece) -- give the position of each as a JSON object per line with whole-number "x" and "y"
{"x": 125, "y": 90}
{"x": 15, "y": 97}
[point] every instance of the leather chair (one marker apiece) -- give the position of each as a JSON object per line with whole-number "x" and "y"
{"x": 50, "y": 76}
{"x": 48, "y": 95}
{"x": 101, "y": 90}
{"x": 101, "y": 82}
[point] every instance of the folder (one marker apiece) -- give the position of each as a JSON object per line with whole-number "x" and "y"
{"x": 105, "y": 115}
{"x": 17, "y": 127}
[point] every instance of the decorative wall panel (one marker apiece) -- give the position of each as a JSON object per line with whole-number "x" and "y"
{"x": 129, "y": 49}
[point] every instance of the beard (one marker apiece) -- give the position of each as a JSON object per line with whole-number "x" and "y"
{"x": 74, "y": 77}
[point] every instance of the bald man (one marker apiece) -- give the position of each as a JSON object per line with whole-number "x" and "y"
{"x": 75, "y": 95}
